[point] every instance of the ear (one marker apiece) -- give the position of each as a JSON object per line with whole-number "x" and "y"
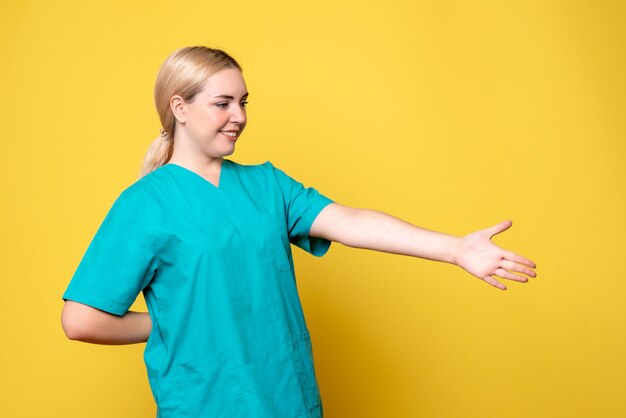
{"x": 179, "y": 108}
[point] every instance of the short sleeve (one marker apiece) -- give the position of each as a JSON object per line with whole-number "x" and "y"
{"x": 302, "y": 205}
{"x": 117, "y": 265}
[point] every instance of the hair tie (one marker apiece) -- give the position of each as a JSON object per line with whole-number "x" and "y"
{"x": 164, "y": 135}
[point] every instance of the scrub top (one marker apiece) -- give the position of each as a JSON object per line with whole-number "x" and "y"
{"x": 214, "y": 263}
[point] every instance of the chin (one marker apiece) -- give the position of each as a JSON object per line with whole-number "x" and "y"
{"x": 228, "y": 152}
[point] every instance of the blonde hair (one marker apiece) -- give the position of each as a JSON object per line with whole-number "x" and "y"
{"x": 183, "y": 73}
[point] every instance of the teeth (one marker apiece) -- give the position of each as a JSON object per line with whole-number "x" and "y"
{"x": 231, "y": 134}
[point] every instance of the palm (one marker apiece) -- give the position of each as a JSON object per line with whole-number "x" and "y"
{"x": 482, "y": 258}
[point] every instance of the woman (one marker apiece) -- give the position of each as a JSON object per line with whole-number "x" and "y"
{"x": 207, "y": 241}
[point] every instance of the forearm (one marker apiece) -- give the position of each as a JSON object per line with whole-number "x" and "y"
{"x": 374, "y": 230}
{"x": 84, "y": 323}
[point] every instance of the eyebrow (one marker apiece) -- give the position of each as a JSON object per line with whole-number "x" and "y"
{"x": 226, "y": 96}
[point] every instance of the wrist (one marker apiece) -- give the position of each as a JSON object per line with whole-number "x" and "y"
{"x": 454, "y": 255}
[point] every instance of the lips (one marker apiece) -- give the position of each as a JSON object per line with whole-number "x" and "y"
{"x": 230, "y": 134}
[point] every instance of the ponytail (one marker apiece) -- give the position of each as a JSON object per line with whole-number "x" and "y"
{"x": 159, "y": 153}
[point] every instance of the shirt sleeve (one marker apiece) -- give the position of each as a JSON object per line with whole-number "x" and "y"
{"x": 117, "y": 265}
{"x": 302, "y": 205}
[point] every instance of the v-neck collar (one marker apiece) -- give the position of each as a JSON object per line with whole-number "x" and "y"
{"x": 225, "y": 163}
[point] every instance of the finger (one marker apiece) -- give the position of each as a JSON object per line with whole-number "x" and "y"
{"x": 518, "y": 268}
{"x": 494, "y": 282}
{"x": 503, "y": 274}
{"x": 501, "y": 227}
{"x": 519, "y": 259}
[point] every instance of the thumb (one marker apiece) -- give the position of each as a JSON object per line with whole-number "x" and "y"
{"x": 501, "y": 227}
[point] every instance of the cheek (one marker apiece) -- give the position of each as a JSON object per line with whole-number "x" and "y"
{"x": 218, "y": 120}
{"x": 211, "y": 122}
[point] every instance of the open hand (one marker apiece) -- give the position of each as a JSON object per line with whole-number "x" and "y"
{"x": 480, "y": 257}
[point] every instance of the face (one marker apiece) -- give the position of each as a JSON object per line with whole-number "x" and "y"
{"x": 216, "y": 117}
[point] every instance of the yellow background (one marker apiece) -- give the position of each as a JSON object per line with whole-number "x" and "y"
{"x": 451, "y": 115}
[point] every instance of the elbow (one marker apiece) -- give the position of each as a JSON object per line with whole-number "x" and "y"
{"x": 72, "y": 333}
{"x": 70, "y": 323}
{"x": 75, "y": 321}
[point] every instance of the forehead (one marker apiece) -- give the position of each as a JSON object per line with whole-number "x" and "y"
{"x": 225, "y": 82}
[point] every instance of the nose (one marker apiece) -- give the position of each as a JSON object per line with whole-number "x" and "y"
{"x": 238, "y": 115}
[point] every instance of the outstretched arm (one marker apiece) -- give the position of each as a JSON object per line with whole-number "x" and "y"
{"x": 374, "y": 230}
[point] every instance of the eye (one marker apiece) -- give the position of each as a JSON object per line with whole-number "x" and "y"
{"x": 222, "y": 105}
{"x": 244, "y": 104}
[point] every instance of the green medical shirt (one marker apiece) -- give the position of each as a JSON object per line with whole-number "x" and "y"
{"x": 229, "y": 338}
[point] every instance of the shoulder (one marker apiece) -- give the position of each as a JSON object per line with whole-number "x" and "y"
{"x": 147, "y": 189}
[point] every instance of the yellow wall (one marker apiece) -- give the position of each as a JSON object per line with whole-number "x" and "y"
{"x": 452, "y": 115}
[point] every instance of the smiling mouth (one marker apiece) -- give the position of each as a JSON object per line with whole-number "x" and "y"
{"x": 230, "y": 134}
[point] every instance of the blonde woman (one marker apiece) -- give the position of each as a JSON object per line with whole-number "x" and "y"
{"x": 207, "y": 241}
